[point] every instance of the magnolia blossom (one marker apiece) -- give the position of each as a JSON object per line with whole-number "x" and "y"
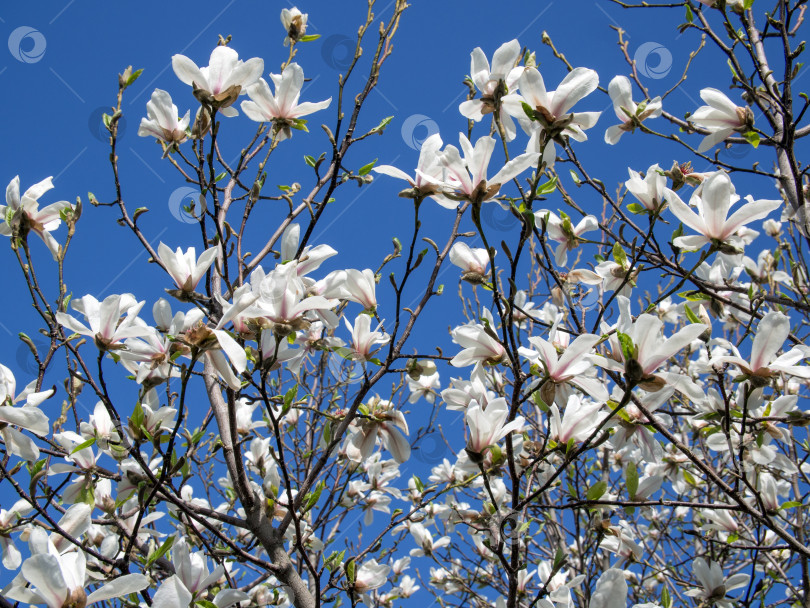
{"x": 649, "y": 191}
{"x": 185, "y": 268}
{"x": 429, "y": 174}
{"x": 25, "y": 211}
{"x": 715, "y": 584}
{"x": 713, "y": 200}
{"x": 564, "y": 232}
{"x": 363, "y": 339}
{"x": 611, "y": 590}
{"x": 487, "y": 425}
{"x": 424, "y": 539}
{"x": 222, "y": 81}
{"x": 764, "y": 364}
{"x": 479, "y": 346}
{"x": 578, "y": 422}
{"x": 361, "y": 287}
{"x": 472, "y": 261}
{"x": 630, "y": 113}
{"x": 106, "y": 326}
{"x": 383, "y": 421}
{"x": 467, "y": 177}
{"x": 162, "y": 120}
{"x": 28, "y": 417}
{"x": 720, "y": 118}
{"x": 370, "y": 575}
{"x": 295, "y": 24}
{"x": 551, "y": 109}
{"x": 570, "y": 368}
{"x": 493, "y": 83}
{"x": 282, "y": 108}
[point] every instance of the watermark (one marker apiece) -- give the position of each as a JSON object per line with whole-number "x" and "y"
{"x": 344, "y": 371}
{"x": 653, "y": 60}
{"x": 95, "y": 123}
{"x": 735, "y": 151}
{"x": 25, "y": 358}
{"x": 498, "y": 218}
{"x": 338, "y": 51}
{"x": 507, "y": 530}
{"x": 27, "y": 44}
{"x": 416, "y": 129}
{"x": 430, "y": 448}
{"x": 187, "y": 205}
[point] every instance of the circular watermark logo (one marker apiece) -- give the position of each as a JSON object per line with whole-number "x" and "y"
{"x": 344, "y": 371}
{"x": 735, "y": 151}
{"x": 498, "y": 218}
{"x": 506, "y": 529}
{"x": 186, "y": 205}
{"x": 653, "y": 60}
{"x": 430, "y": 448}
{"x": 95, "y": 123}
{"x": 27, "y": 44}
{"x": 25, "y": 358}
{"x": 416, "y": 129}
{"x": 337, "y": 51}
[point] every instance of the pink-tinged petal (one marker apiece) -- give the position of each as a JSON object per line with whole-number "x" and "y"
{"x": 292, "y": 79}
{"x": 74, "y": 522}
{"x": 621, "y": 94}
{"x": 719, "y": 101}
{"x": 472, "y": 109}
{"x": 691, "y": 243}
{"x": 255, "y": 112}
{"x": 716, "y": 200}
{"x": 231, "y": 347}
{"x": 561, "y": 254}
{"x": 72, "y": 324}
{"x": 611, "y": 590}
{"x": 123, "y": 585}
{"x": 188, "y": 72}
{"x": 38, "y": 189}
{"x": 515, "y": 167}
{"x": 29, "y": 418}
{"x": 592, "y": 386}
{"x": 673, "y": 345}
{"x": 577, "y": 349}
{"x": 24, "y": 447}
{"x": 310, "y": 107}
{"x": 161, "y": 108}
{"x": 533, "y": 88}
{"x": 613, "y": 134}
{"x": 754, "y": 210}
{"x": 45, "y": 574}
{"x": 512, "y": 104}
{"x": 220, "y": 363}
{"x": 684, "y": 385}
{"x": 682, "y": 211}
{"x": 398, "y": 445}
{"x": 585, "y": 120}
{"x": 203, "y": 264}
{"x": 479, "y": 68}
{"x": 13, "y": 193}
{"x": 172, "y": 594}
{"x": 504, "y": 58}
{"x": 713, "y": 138}
{"x": 478, "y": 161}
{"x": 772, "y": 332}
{"x": 577, "y": 84}
{"x": 392, "y": 171}
{"x": 451, "y": 160}
{"x": 245, "y": 74}
{"x": 228, "y": 597}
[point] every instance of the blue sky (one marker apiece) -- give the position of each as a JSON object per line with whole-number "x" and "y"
{"x": 60, "y": 76}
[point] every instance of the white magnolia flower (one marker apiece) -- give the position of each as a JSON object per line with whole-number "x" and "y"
{"x": 713, "y": 200}
{"x": 223, "y": 80}
{"x": 563, "y": 231}
{"x": 162, "y": 120}
{"x": 429, "y": 174}
{"x": 472, "y": 261}
{"x": 295, "y": 24}
{"x": 185, "y": 268}
{"x": 715, "y": 584}
{"x": 107, "y": 329}
{"x": 630, "y": 113}
{"x": 283, "y": 108}
{"x": 649, "y": 191}
{"x": 721, "y": 118}
{"x": 28, "y": 417}
{"x": 370, "y": 575}
{"x": 493, "y": 84}
{"x": 487, "y": 425}
{"x": 26, "y": 208}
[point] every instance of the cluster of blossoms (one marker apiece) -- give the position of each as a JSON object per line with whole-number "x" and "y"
{"x": 646, "y": 397}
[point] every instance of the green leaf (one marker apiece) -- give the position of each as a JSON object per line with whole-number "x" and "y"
{"x": 628, "y": 348}
{"x": 309, "y": 38}
{"x": 689, "y": 16}
{"x": 693, "y": 318}
{"x": 575, "y": 177}
{"x": 748, "y": 4}
{"x": 636, "y": 208}
{"x": 689, "y": 478}
{"x": 547, "y": 188}
{"x": 138, "y": 212}
{"x": 596, "y": 491}
{"x": 351, "y": 572}
{"x": 366, "y": 169}
{"x": 205, "y": 603}
{"x": 334, "y": 560}
{"x": 221, "y": 176}
{"x": 160, "y": 551}
{"x": 383, "y": 123}
{"x": 790, "y": 504}
{"x": 631, "y": 476}
{"x": 619, "y": 255}
{"x": 310, "y": 160}
{"x": 666, "y": 600}
{"x": 81, "y": 446}
{"x": 752, "y": 137}
{"x": 313, "y": 497}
